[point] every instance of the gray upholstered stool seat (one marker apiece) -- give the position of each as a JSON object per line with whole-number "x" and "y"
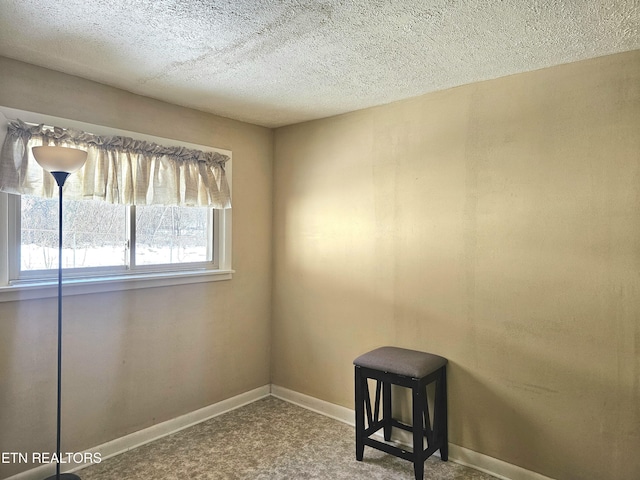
{"x": 401, "y": 361}
{"x": 411, "y": 369}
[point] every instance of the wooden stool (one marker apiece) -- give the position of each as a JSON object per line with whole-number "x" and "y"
{"x": 410, "y": 369}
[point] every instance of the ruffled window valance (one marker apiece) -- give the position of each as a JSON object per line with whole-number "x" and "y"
{"x": 118, "y": 169}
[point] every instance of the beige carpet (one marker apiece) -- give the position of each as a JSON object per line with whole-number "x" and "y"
{"x": 267, "y": 439}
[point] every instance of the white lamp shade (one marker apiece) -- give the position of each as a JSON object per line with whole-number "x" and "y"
{"x": 59, "y": 159}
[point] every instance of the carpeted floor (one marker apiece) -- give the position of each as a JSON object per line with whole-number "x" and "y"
{"x": 267, "y": 439}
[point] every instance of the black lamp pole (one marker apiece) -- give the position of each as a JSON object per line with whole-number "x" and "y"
{"x": 60, "y": 162}
{"x": 60, "y": 179}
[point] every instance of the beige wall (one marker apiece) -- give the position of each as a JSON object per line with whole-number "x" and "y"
{"x": 137, "y": 358}
{"x": 497, "y": 224}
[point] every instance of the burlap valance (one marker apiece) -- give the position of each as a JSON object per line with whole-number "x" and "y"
{"x": 118, "y": 169}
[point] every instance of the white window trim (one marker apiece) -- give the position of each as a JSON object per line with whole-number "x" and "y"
{"x": 26, "y": 289}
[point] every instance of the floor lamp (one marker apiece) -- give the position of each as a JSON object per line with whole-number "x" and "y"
{"x": 60, "y": 162}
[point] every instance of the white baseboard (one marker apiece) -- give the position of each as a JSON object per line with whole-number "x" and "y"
{"x": 337, "y": 412}
{"x": 136, "y": 439}
{"x": 491, "y": 465}
{"x": 457, "y": 454}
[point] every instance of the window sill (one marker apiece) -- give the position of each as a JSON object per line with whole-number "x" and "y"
{"x": 83, "y": 286}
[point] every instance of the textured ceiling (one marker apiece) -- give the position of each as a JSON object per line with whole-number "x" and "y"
{"x": 277, "y": 62}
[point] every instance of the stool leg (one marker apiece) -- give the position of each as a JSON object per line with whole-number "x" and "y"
{"x": 444, "y": 447}
{"x": 386, "y": 409}
{"x": 419, "y": 400}
{"x": 359, "y": 394}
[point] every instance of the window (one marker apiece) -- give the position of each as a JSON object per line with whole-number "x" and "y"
{"x": 95, "y": 235}
{"x": 173, "y": 235}
{"x": 101, "y": 238}
{"x": 108, "y": 246}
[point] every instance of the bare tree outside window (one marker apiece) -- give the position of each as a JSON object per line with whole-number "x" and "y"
{"x": 94, "y": 234}
{"x": 170, "y": 234}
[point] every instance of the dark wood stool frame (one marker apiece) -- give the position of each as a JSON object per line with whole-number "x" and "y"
{"x": 436, "y": 435}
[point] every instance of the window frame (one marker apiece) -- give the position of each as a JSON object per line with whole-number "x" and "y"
{"x": 13, "y": 286}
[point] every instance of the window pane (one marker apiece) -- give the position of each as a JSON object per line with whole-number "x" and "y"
{"x": 94, "y": 234}
{"x": 169, "y": 234}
